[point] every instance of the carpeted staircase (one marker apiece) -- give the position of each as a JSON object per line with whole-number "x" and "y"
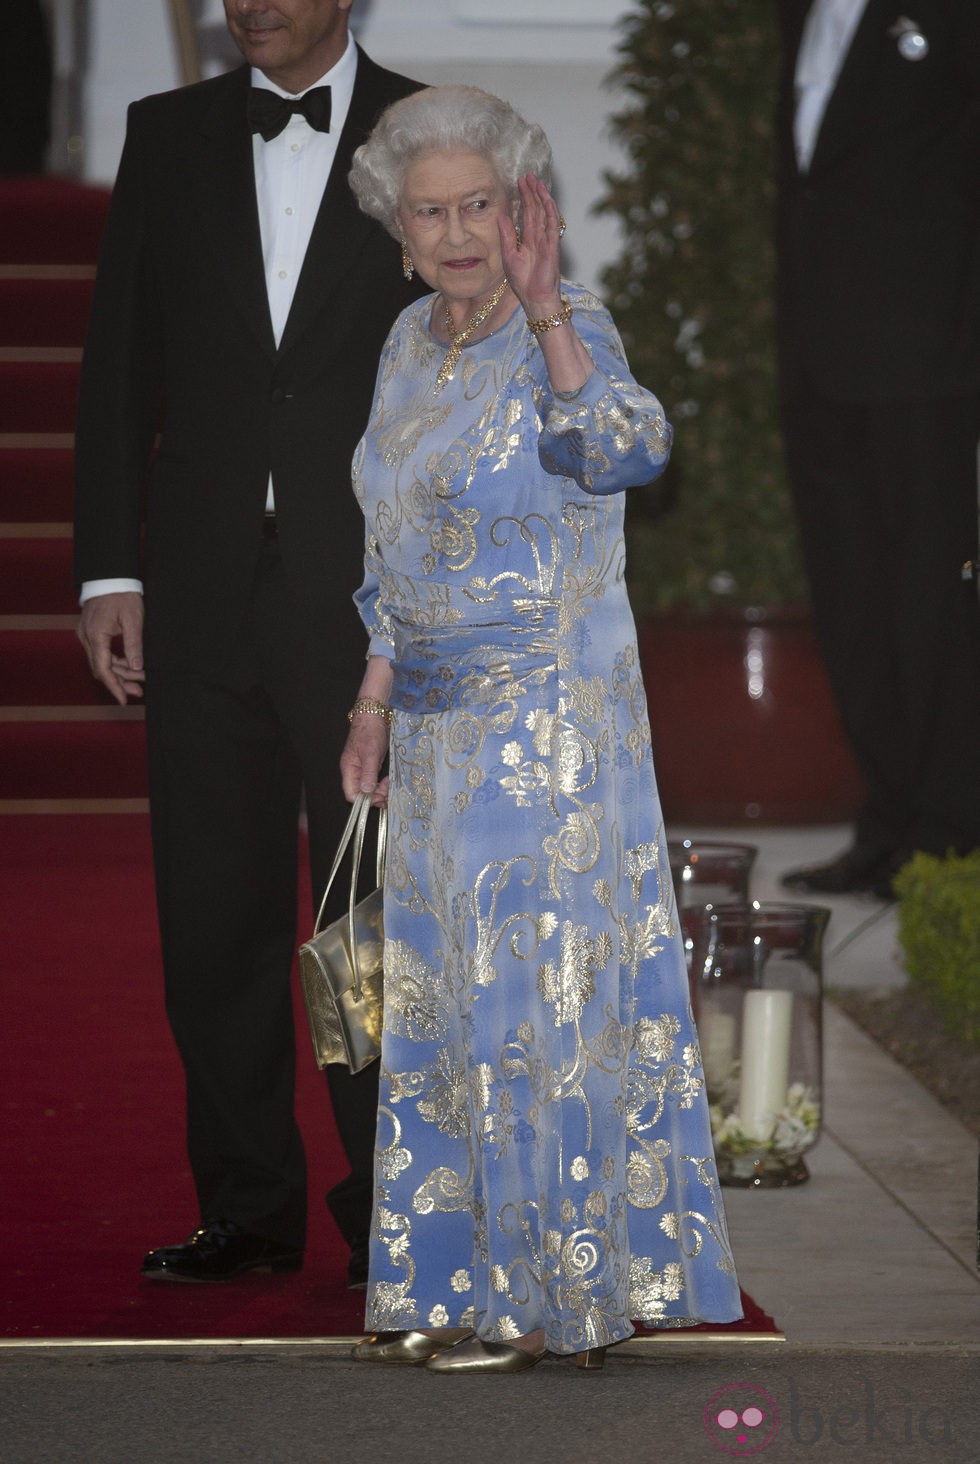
{"x": 65, "y": 746}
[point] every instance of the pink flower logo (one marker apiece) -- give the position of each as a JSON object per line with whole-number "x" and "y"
{"x": 742, "y": 1419}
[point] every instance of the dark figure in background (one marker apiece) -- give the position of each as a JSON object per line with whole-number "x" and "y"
{"x": 25, "y": 89}
{"x": 878, "y": 241}
{"x": 240, "y": 306}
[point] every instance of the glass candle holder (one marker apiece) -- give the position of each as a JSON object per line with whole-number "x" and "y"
{"x": 710, "y": 873}
{"x": 757, "y": 973}
{"x": 706, "y": 872}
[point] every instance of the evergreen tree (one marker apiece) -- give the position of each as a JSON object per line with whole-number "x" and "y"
{"x": 692, "y": 294}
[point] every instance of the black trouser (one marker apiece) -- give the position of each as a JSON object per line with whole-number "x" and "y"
{"x": 231, "y": 747}
{"x": 887, "y": 502}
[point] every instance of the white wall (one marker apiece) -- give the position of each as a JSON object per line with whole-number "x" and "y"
{"x": 549, "y": 58}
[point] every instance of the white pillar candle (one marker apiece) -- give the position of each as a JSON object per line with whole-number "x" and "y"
{"x": 716, "y": 1037}
{"x": 767, "y": 1018}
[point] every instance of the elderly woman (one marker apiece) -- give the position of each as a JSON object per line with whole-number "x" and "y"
{"x": 544, "y": 1169}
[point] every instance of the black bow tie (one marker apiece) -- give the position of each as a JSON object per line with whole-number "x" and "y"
{"x": 268, "y": 112}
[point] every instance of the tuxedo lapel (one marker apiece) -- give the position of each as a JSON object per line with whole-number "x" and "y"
{"x": 225, "y": 186}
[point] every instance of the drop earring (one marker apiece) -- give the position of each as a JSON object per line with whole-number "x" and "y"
{"x": 408, "y": 268}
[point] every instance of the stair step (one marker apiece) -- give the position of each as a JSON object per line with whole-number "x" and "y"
{"x": 36, "y": 577}
{"x": 36, "y": 484}
{"x": 44, "y": 312}
{"x": 51, "y": 220}
{"x": 47, "y": 668}
{"x": 63, "y": 742}
{"x": 38, "y": 396}
{"x": 100, "y": 759}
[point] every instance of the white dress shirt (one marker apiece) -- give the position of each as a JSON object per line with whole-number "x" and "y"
{"x": 291, "y": 172}
{"x": 827, "y": 36}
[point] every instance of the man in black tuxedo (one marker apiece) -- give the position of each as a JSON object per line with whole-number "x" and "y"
{"x": 25, "y": 89}
{"x": 240, "y": 307}
{"x": 878, "y": 241}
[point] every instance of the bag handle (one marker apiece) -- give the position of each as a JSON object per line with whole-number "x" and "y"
{"x": 356, "y": 829}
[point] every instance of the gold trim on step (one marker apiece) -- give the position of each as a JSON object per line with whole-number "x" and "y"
{"x": 634, "y": 1347}
{"x": 111, "y": 713}
{"x": 21, "y": 440}
{"x": 35, "y": 531}
{"x": 47, "y": 271}
{"x": 44, "y": 355}
{"x": 73, "y": 805}
{"x": 38, "y": 622}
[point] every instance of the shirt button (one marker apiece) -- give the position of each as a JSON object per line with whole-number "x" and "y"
{"x": 295, "y": 147}
{"x": 289, "y": 212}
{"x": 282, "y": 274}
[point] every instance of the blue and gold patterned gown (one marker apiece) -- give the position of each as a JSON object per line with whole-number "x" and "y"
{"x": 543, "y": 1157}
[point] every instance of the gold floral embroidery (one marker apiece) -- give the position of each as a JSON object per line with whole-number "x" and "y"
{"x": 445, "y": 1102}
{"x": 569, "y": 985}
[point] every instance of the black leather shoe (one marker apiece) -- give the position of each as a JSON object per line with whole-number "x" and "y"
{"x": 357, "y": 1266}
{"x": 857, "y": 870}
{"x": 219, "y": 1250}
{"x": 882, "y": 887}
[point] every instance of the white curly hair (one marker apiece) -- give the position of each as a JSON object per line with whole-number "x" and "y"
{"x": 444, "y": 119}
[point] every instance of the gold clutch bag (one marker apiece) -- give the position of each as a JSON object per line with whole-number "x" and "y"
{"x": 340, "y": 966}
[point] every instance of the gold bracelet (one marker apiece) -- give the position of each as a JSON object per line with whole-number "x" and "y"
{"x": 366, "y": 706}
{"x": 560, "y": 317}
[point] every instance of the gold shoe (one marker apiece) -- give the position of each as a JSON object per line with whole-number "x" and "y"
{"x": 407, "y": 1348}
{"x": 591, "y": 1360}
{"x": 474, "y": 1356}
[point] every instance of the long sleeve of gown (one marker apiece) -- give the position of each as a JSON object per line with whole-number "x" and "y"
{"x": 613, "y": 435}
{"x": 367, "y": 601}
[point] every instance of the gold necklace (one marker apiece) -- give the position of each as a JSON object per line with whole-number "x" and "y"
{"x": 457, "y": 338}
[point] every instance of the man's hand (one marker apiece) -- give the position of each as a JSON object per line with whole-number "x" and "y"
{"x": 115, "y": 618}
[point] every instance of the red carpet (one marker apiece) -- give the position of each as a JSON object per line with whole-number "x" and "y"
{"x": 39, "y": 396}
{"x": 51, "y": 220}
{"x": 93, "y": 1157}
{"x": 44, "y": 312}
{"x": 36, "y": 486}
{"x": 94, "y": 1163}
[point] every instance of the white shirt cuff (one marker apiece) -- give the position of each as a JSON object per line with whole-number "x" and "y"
{"x": 91, "y": 588}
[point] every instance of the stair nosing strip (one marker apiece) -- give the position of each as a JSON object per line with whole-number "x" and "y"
{"x": 73, "y": 805}
{"x": 35, "y": 531}
{"x": 38, "y": 622}
{"x": 40, "y": 355}
{"x": 47, "y": 271}
{"x": 53, "y": 713}
{"x": 18, "y": 441}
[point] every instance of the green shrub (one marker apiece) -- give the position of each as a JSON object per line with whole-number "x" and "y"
{"x": 939, "y": 930}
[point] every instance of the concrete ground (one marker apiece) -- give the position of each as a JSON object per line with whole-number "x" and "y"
{"x": 870, "y": 1269}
